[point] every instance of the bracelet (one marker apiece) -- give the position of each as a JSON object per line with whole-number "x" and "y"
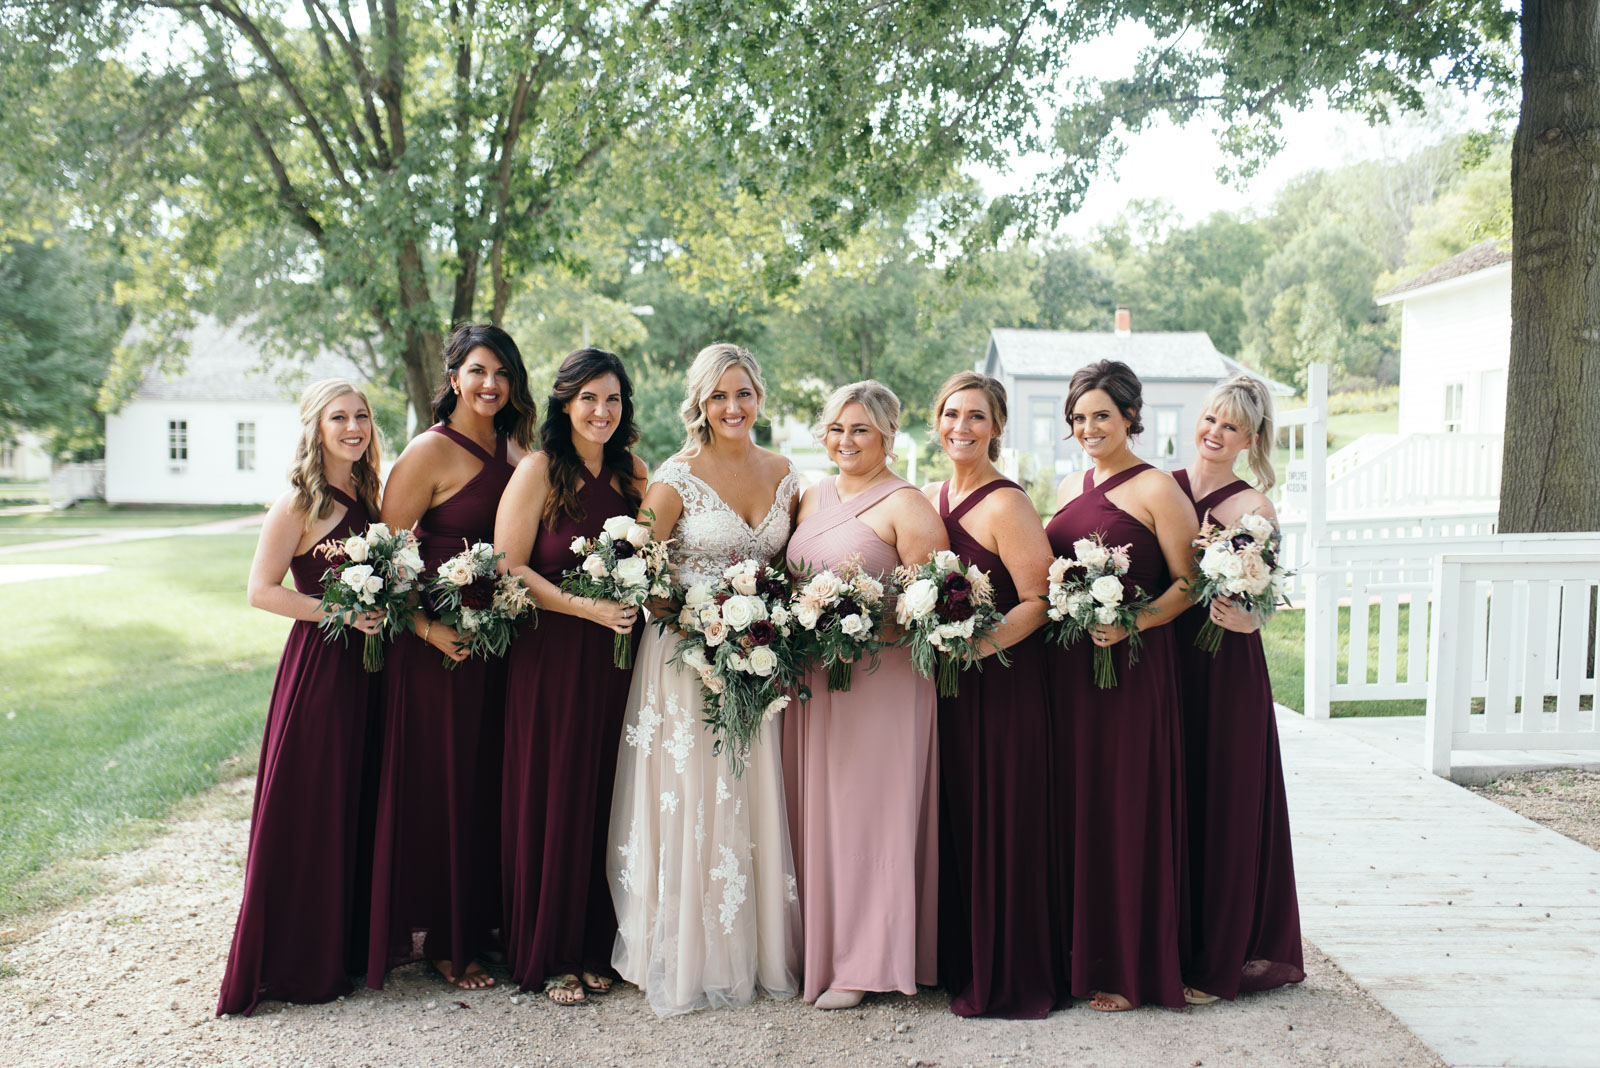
{"x": 427, "y": 630}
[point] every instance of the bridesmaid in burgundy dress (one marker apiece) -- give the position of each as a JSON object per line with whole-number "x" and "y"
{"x": 1003, "y": 938}
{"x": 565, "y": 699}
{"x": 300, "y": 935}
{"x": 436, "y": 868}
{"x": 1126, "y": 809}
{"x": 1245, "y": 926}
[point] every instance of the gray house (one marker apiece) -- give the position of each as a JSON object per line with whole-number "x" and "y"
{"x": 1178, "y": 369}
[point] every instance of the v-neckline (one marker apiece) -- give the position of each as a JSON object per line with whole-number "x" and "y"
{"x": 731, "y": 510}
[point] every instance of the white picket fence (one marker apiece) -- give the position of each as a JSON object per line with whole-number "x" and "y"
{"x": 1415, "y": 473}
{"x": 1516, "y": 629}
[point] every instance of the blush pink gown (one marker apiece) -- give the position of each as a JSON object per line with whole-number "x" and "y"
{"x": 861, "y": 773}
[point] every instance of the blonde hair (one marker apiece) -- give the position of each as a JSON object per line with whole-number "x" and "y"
{"x": 709, "y": 366}
{"x": 993, "y": 392}
{"x": 307, "y": 477}
{"x": 1244, "y": 401}
{"x": 881, "y": 405}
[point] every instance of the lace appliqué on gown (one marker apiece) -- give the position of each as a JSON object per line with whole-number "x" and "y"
{"x": 700, "y": 867}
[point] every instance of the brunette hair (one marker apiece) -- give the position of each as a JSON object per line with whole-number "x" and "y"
{"x": 1244, "y": 401}
{"x": 879, "y": 402}
{"x": 709, "y": 366}
{"x": 993, "y": 392}
{"x": 519, "y": 417}
{"x": 308, "y": 479}
{"x": 1119, "y": 383}
{"x": 555, "y": 435}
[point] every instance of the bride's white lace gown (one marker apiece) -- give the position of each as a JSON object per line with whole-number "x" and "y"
{"x": 699, "y": 863}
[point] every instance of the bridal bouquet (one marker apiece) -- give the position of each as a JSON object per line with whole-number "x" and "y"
{"x": 947, "y": 609}
{"x": 626, "y": 564}
{"x": 370, "y": 572}
{"x": 839, "y": 613}
{"x": 739, "y": 638}
{"x": 1239, "y": 562}
{"x": 1094, "y": 597}
{"x": 481, "y": 605}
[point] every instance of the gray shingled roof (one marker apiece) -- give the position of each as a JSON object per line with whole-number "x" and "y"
{"x": 223, "y": 364}
{"x": 1153, "y": 355}
{"x": 1480, "y": 256}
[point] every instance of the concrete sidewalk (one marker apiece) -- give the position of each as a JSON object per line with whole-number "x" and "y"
{"x": 1478, "y": 928}
{"x": 113, "y": 535}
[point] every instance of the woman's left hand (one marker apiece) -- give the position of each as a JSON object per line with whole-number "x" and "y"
{"x": 1108, "y": 634}
{"x": 368, "y": 622}
{"x": 1229, "y": 616}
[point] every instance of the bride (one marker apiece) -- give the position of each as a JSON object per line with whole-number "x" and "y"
{"x": 698, "y": 860}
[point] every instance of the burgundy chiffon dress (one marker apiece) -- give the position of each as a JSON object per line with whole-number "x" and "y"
{"x": 436, "y": 861}
{"x": 565, "y": 702}
{"x": 1003, "y": 928}
{"x": 301, "y": 930}
{"x": 1125, "y": 805}
{"x": 1245, "y": 930}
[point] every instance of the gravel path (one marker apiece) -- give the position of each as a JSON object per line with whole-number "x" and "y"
{"x": 130, "y": 978}
{"x": 1564, "y": 800}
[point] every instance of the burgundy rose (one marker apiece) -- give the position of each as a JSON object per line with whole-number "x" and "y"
{"x": 1240, "y": 542}
{"x": 847, "y": 607}
{"x": 623, "y": 548}
{"x": 771, "y": 587}
{"x": 958, "y": 611}
{"x": 956, "y": 587}
{"x": 762, "y": 633}
{"x": 479, "y": 593}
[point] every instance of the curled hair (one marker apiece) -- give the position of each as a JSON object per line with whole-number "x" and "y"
{"x": 518, "y": 418}
{"x": 992, "y": 391}
{"x": 308, "y": 478}
{"x": 555, "y": 435}
{"x": 878, "y": 400}
{"x": 1120, "y": 384}
{"x": 709, "y": 366}
{"x": 1243, "y": 400}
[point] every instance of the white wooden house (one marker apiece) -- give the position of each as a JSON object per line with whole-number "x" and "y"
{"x": 22, "y": 456}
{"x": 221, "y": 432}
{"x": 1178, "y": 369}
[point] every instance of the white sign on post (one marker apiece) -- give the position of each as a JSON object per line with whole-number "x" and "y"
{"x": 1297, "y": 485}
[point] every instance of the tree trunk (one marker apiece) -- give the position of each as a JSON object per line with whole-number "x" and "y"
{"x": 424, "y": 344}
{"x": 1552, "y": 441}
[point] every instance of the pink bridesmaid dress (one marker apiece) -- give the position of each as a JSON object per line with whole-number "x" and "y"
{"x": 861, "y": 777}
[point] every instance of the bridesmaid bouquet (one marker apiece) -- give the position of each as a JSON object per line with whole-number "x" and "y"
{"x": 947, "y": 609}
{"x": 739, "y": 638}
{"x": 1241, "y": 563}
{"x": 625, "y": 564}
{"x": 479, "y": 603}
{"x": 370, "y": 572}
{"x": 840, "y": 614}
{"x": 1094, "y": 597}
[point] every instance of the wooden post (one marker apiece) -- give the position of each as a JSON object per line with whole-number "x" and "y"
{"x": 1446, "y": 675}
{"x": 1322, "y": 610}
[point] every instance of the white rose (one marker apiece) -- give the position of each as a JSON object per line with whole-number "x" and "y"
{"x": 709, "y": 614}
{"x": 1258, "y": 527}
{"x": 776, "y": 705}
{"x": 807, "y": 615}
{"x": 854, "y": 625}
{"x": 697, "y": 596}
{"x": 1058, "y": 570}
{"x": 461, "y": 574}
{"x": 1211, "y": 559}
{"x": 920, "y": 598}
{"x": 713, "y": 683}
{"x": 947, "y": 560}
{"x": 579, "y": 546}
{"x": 1106, "y": 616}
{"x": 780, "y": 615}
{"x": 763, "y": 661}
{"x": 715, "y": 632}
{"x": 686, "y": 618}
{"x": 968, "y": 625}
{"x": 617, "y": 526}
{"x": 824, "y": 587}
{"x": 632, "y": 572}
{"x": 1058, "y": 598}
{"x": 738, "y": 612}
{"x": 356, "y": 577}
{"x": 695, "y": 658}
{"x": 1090, "y": 553}
{"x": 1076, "y": 603}
{"x": 743, "y": 576}
{"x": 356, "y": 548}
{"x": 946, "y": 631}
{"x": 373, "y": 584}
{"x": 1230, "y": 566}
{"x": 1107, "y": 589}
{"x": 739, "y": 663}
{"x": 377, "y": 530}
{"x": 595, "y": 566}
{"x": 409, "y": 559}
{"x": 638, "y": 535}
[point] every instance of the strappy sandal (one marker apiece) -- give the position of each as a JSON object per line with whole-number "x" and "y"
{"x": 1199, "y": 997}
{"x": 564, "y": 990}
{"x": 595, "y": 983}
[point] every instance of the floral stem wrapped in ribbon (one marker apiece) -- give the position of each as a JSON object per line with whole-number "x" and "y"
{"x": 625, "y": 564}
{"x": 739, "y": 638}
{"x": 375, "y": 571}
{"x": 1096, "y": 596}
{"x": 947, "y": 610}
{"x": 841, "y": 613}
{"x": 1240, "y": 563}
{"x": 480, "y": 604}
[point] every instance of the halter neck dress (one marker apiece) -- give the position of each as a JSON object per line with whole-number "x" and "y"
{"x": 301, "y": 930}
{"x": 436, "y": 867}
{"x": 564, "y": 706}
{"x": 1003, "y": 933}
{"x": 1245, "y": 926}
{"x": 1125, "y": 808}
{"x": 862, "y": 778}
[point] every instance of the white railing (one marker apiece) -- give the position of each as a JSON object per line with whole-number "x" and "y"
{"x": 71, "y": 483}
{"x": 1358, "y": 452}
{"x": 1421, "y": 471}
{"x": 1516, "y": 629}
{"x": 1296, "y": 551}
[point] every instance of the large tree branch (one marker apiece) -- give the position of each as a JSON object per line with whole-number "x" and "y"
{"x": 321, "y": 26}
{"x": 467, "y": 243}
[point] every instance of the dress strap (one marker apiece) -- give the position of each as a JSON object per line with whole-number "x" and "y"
{"x": 870, "y": 496}
{"x": 470, "y": 445}
{"x": 828, "y": 492}
{"x": 972, "y": 498}
{"x": 501, "y": 447}
{"x": 342, "y": 497}
{"x": 1216, "y": 497}
{"x": 1114, "y": 481}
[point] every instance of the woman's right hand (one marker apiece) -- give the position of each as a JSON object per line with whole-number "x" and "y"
{"x": 613, "y": 616}
{"x": 447, "y": 640}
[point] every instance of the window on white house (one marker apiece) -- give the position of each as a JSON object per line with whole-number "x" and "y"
{"x": 246, "y": 446}
{"x": 1167, "y": 422}
{"x": 1042, "y": 432}
{"x": 1454, "y": 398}
{"x": 8, "y": 454}
{"x": 178, "y": 440}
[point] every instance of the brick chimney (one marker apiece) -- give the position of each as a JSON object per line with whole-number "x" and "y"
{"x": 1124, "y": 321}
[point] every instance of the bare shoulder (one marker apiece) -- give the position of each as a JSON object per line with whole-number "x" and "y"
{"x": 1253, "y": 500}
{"x": 283, "y": 511}
{"x": 915, "y": 505}
{"x": 641, "y": 470}
{"x": 774, "y": 465}
{"x": 535, "y": 464}
{"x": 1157, "y": 485}
{"x": 1068, "y": 488}
{"x": 425, "y": 447}
{"x": 1011, "y": 504}
{"x": 931, "y": 491}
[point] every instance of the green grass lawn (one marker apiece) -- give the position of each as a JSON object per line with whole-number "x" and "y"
{"x": 94, "y": 514}
{"x": 23, "y": 492}
{"x": 1284, "y": 643}
{"x": 121, "y": 694}
{"x": 10, "y": 537}
{"x": 1342, "y": 430}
